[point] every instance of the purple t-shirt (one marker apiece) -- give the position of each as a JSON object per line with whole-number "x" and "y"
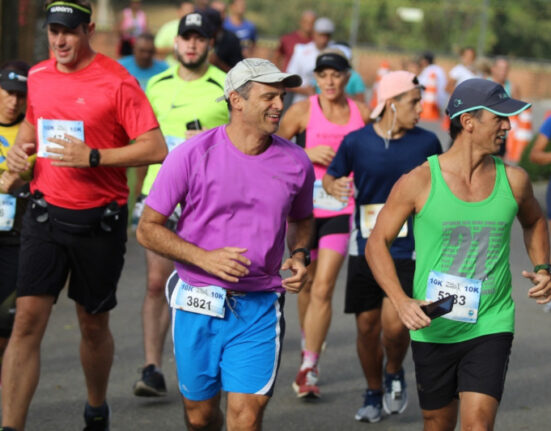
{"x": 231, "y": 199}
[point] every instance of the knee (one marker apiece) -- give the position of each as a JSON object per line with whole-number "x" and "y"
{"x": 156, "y": 285}
{"x": 94, "y": 329}
{"x": 28, "y": 322}
{"x": 322, "y": 291}
{"x": 396, "y": 334}
{"x": 244, "y": 418}
{"x": 369, "y": 326}
{"x": 478, "y": 422}
{"x": 438, "y": 422}
{"x": 201, "y": 419}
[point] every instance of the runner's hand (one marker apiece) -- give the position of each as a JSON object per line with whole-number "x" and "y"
{"x": 341, "y": 188}
{"x": 322, "y": 154}
{"x": 18, "y": 157}
{"x": 411, "y": 314}
{"x": 541, "y": 291}
{"x": 295, "y": 283}
{"x": 73, "y": 154}
{"x": 227, "y": 263}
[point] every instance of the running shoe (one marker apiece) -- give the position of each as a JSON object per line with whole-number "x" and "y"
{"x": 371, "y": 411}
{"x": 152, "y": 383}
{"x": 395, "y": 399}
{"x": 97, "y": 422}
{"x": 306, "y": 383}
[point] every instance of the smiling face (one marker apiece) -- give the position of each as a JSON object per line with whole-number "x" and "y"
{"x": 262, "y": 109}
{"x": 70, "y": 45}
{"x": 332, "y": 82}
{"x": 192, "y": 49}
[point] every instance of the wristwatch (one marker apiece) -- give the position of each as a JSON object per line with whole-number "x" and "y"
{"x": 545, "y": 266}
{"x": 94, "y": 158}
{"x": 306, "y": 254}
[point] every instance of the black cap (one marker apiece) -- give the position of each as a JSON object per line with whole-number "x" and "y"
{"x": 332, "y": 60}
{"x": 198, "y": 22}
{"x": 13, "y": 80}
{"x": 477, "y": 93}
{"x": 67, "y": 14}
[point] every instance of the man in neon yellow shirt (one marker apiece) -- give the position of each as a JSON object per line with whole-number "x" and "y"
{"x": 464, "y": 203}
{"x": 184, "y": 98}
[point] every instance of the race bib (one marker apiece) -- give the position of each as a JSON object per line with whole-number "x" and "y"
{"x": 173, "y": 141}
{"x": 368, "y": 218}
{"x": 324, "y": 201}
{"x": 207, "y": 300}
{"x": 7, "y": 212}
{"x": 56, "y": 129}
{"x": 466, "y": 293}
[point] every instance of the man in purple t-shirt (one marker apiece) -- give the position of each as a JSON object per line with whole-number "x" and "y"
{"x": 240, "y": 188}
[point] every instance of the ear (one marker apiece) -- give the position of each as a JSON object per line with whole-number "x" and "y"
{"x": 91, "y": 28}
{"x": 467, "y": 121}
{"x": 236, "y": 101}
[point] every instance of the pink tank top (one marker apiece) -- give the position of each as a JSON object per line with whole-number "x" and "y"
{"x": 320, "y": 131}
{"x": 135, "y": 25}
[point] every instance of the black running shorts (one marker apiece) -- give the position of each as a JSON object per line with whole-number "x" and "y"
{"x": 362, "y": 291}
{"x": 444, "y": 370}
{"x": 93, "y": 262}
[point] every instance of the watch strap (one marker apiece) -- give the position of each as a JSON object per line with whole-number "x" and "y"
{"x": 306, "y": 254}
{"x": 94, "y": 157}
{"x": 545, "y": 266}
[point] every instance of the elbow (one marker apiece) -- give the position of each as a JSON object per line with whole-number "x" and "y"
{"x": 161, "y": 153}
{"x": 141, "y": 235}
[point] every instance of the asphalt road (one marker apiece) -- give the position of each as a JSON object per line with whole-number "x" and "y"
{"x": 59, "y": 400}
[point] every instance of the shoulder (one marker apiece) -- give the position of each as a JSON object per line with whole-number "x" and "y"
{"x": 291, "y": 149}
{"x": 39, "y": 69}
{"x": 360, "y": 134}
{"x": 365, "y": 112}
{"x": 518, "y": 178}
{"x": 299, "y": 109}
{"x": 165, "y": 76}
{"x": 112, "y": 70}
{"x": 215, "y": 74}
{"x": 424, "y": 135}
{"x": 415, "y": 182}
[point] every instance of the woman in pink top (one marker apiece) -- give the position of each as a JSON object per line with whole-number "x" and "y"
{"x": 326, "y": 118}
{"x": 133, "y": 23}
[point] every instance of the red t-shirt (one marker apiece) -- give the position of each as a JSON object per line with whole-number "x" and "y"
{"x": 114, "y": 110}
{"x": 287, "y": 44}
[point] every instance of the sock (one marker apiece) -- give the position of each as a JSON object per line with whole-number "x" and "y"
{"x": 309, "y": 360}
{"x": 100, "y": 411}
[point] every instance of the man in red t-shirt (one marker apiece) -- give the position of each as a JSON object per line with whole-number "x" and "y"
{"x": 288, "y": 41}
{"x": 83, "y": 109}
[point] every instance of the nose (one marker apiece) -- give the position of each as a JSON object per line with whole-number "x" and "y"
{"x": 506, "y": 123}
{"x": 278, "y": 102}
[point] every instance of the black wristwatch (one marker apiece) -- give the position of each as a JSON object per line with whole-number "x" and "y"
{"x": 306, "y": 254}
{"x": 545, "y": 266}
{"x": 94, "y": 158}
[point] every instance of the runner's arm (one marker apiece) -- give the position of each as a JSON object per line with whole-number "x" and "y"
{"x": 25, "y": 144}
{"x": 299, "y": 233}
{"x": 147, "y": 148}
{"x": 340, "y": 188}
{"x": 401, "y": 203}
{"x": 293, "y": 121}
{"x": 227, "y": 263}
{"x": 536, "y": 235}
{"x": 538, "y": 154}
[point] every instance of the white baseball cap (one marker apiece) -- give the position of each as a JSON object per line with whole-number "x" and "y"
{"x": 257, "y": 70}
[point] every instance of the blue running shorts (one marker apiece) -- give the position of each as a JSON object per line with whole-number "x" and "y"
{"x": 238, "y": 353}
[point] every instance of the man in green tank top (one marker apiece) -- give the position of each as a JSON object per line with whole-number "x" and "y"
{"x": 463, "y": 203}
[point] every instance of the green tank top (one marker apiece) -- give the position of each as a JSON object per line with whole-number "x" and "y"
{"x": 470, "y": 240}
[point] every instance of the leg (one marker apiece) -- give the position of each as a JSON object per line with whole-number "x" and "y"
{"x": 318, "y": 315}
{"x": 303, "y": 299}
{"x": 155, "y": 311}
{"x": 203, "y": 415}
{"x": 368, "y": 343}
{"x": 443, "y": 419}
{"x": 478, "y": 411}
{"x": 395, "y": 337}
{"x": 21, "y": 364}
{"x": 96, "y": 353}
{"x": 245, "y": 411}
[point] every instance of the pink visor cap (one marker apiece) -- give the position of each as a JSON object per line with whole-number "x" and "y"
{"x": 392, "y": 84}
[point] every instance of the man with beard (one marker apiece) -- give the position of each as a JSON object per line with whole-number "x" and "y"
{"x": 184, "y": 100}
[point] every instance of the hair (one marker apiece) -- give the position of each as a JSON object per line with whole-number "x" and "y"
{"x": 146, "y": 36}
{"x": 465, "y": 49}
{"x": 244, "y": 91}
{"x": 428, "y": 56}
{"x": 455, "y": 123}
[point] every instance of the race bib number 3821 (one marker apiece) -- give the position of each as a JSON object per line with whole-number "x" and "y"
{"x": 208, "y": 300}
